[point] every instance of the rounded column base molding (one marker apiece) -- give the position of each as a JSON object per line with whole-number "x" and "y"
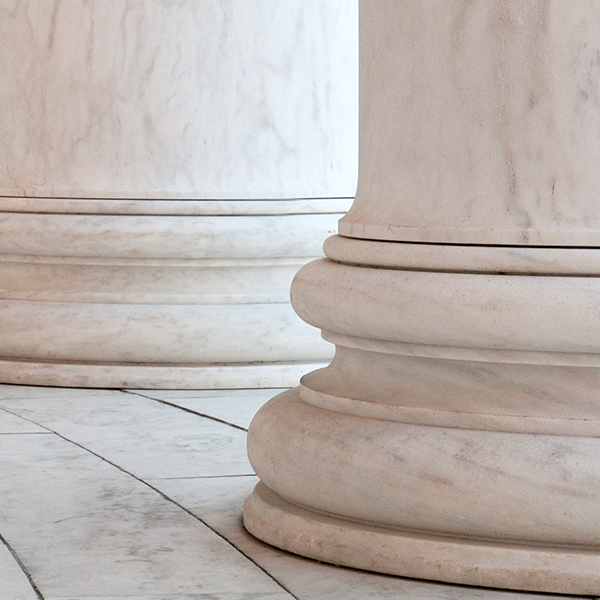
{"x": 455, "y": 435}
{"x": 166, "y": 177}
{"x": 158, "y": 301}
{"x": 159, "y": 376}
{"x": 475, "y": 507}
{"x": 274, "y": 520}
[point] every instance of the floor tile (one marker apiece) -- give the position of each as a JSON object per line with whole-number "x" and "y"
{"x": 84, "y": 528}
{"x": 219, "y": 502}
{"x": 32, "y": 391}
{"x": 250, "y": 596}
{"x": 87, "y": 530}
{"x": 233, "y": 406}
{"x": 144, "y": 437}
{"x": 14, "y": 584}
{"x": 10, "y": 424}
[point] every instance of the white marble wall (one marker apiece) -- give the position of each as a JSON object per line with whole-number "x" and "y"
{"x": 178, "y": 99}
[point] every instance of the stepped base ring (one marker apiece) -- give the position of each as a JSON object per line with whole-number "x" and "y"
{"x": 280, "y": 523}
{"x": 160, "y": 376}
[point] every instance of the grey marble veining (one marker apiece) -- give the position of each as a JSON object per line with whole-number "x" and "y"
{"x": 84, "y": 528}
{"x": 168, "y": 442}
{"x": 190, "y": 99}
{"x": 11, "y": 424}
{"x": 455, "y": 436}
{"x": 218, "y": 500}
{"x": 490, "y": 133}
{"x": 13, "y": 581}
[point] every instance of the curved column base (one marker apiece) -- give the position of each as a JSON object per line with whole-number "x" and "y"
{"x": 280, "y": 523}
{"x": 193, "y": 295}
{"x": 454, "y": 436}
{"x": 160, "y": 376}
{"x": 481, "y": 507}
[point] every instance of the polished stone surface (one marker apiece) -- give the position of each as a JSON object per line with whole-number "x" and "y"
{"x": 198, "y": 300}
{"x": 490, "y": 134}
{"x": 95, "y": 511}
{"x": 456, "y": 434}
{"x": 14, "y": 583}
{"x": 190, "y": 99}
{"x": 171, "y": 166}
{"x": 216, "y": 403}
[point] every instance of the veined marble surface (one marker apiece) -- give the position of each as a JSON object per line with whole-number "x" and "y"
{"x": 164, "y": 237}
{"x": 456, "y": 434}
{"x": 178, "y": 99}
{"x": 168, "y": 166}
{"x": 160, "y": 300}
{"x": 111, "y": 495}
{"x": 492, "y": 114}
{"x": 227, "y": 207}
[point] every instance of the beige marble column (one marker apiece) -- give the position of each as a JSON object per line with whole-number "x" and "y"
{"x": 456, "y": 434}
{"x": 165, "y": 169}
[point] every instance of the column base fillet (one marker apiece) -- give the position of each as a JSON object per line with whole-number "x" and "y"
{"x": 562, "y": 570}
{"x": 140, "y": 376}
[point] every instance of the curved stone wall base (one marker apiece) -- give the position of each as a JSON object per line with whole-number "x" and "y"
{"x": 181, "y": 377}
{"x": 411, "y": 554}
{"x": 167, "y": 175}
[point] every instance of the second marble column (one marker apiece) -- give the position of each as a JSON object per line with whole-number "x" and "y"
{"x": 166, "y": 168}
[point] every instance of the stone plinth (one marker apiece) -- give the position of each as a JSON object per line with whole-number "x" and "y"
{"x": 171, "y": 165}
{"x": 456, "y": 434}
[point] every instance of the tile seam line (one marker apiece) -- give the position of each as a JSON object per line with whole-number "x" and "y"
{"x": 22, "y": 567}
{"x": 160, "y": 493}
{"x": 24, "y": 432}
{"x": 201, "y": 477}
{"x": 185, "y": 409}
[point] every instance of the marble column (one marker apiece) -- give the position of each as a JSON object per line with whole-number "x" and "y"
{"x": 166, "y": 168}
{"x": 456, "y": 434}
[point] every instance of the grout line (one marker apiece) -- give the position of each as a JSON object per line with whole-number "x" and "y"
{"x": 188, "y": 410}
{"x": 202, "y": 477}
{"x": 21, "y": 432}
{"x": 160, "y": 493}
{"x": 23, "y": 568}
{"x": 25, "y": 433}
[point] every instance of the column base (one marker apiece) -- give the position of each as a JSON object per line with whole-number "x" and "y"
{"x": 280, "y": 523}
{"x": 160, "y": 376}
{"x": 476, "y": 507}
{"x": 157, "y": 294}
{"x": 455, "y": 435}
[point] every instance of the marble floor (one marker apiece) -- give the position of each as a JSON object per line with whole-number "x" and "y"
{"x": 137, "y": 495}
